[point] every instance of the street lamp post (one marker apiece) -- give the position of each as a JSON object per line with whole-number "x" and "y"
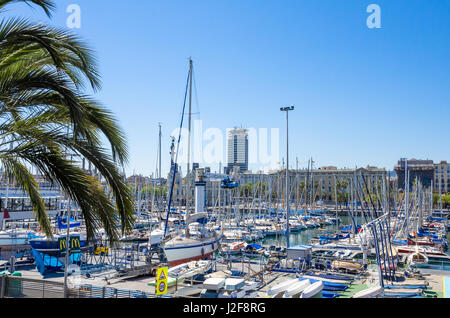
{"x": 287, "y": 109}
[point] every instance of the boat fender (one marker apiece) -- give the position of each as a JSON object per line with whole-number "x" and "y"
{"x": 203, "y": 251}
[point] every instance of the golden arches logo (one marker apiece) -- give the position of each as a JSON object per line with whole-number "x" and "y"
{"x": 62, "y": 245}
{"x": 75, "y": 243}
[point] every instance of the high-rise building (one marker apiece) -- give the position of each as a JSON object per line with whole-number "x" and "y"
{"x": 238, "y": 149}
{"x": 420, "y": 170}
{"x": 442, "y": 177}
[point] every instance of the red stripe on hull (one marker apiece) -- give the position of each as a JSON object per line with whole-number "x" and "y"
{"x": 186, "y": 260}
{"x": 423, "y": 243}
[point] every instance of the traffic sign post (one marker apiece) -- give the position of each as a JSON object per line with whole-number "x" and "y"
{"x": 161, "y": 281}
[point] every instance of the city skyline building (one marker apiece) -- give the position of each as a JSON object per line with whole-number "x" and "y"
{"x": 442, "y": 177}
{"x": 237, "y": 154}
{"x": 421, "y": 170}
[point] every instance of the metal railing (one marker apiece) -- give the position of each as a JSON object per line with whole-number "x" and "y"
{"x": 89, "y": 291}
{"x": 19, "y": 287}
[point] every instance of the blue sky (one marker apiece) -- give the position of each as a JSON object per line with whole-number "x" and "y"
{"x": 363, "y": 96}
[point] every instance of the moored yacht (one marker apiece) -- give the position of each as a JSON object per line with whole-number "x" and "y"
{"x": 201, "y": 243}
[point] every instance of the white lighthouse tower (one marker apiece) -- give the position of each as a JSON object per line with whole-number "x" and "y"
{"x": 200, "y": 191}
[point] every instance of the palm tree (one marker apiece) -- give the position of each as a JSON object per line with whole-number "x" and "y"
{"x": 45, "y": 117}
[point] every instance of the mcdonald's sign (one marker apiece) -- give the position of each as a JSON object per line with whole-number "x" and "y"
{"x": 62, "y": 243}
{"x": 75, "y": 246}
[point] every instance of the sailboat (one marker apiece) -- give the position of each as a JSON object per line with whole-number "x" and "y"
{"x": 204, "y": 242}
{"x": 198, "y": 245}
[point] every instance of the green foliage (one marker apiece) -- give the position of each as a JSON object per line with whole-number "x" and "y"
{"x": 445, "y": 200}
{"x": 250, "y": 189}
{"x": 148, "y": 190}
{"x": 44, "y": 116}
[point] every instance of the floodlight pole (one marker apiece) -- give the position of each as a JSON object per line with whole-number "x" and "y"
{"x": 287, "y": 109}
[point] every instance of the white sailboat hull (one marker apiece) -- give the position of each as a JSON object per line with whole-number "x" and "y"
{"x": 182, "y": 250}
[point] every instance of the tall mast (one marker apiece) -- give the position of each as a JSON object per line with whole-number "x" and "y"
{"x": 406, "y": 194}
{"x": 188, "y": 182}
{"x": 312, "y": 187}
{"x": 159, "y": 153}
{"x": 431, "y": 194}
{"x": 158, "y": 174}
{"x": 336, "y": 202}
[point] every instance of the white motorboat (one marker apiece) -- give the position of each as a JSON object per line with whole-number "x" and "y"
{"x": 232, "y": 248}
{"x": 312, "y": 290}
{"x": 178, "y": 274}
{"x": 282, "y": 287}
{"x": 235, "y": 234}
{"x": 297, "y": 288}
{"x": 369, "y": 292}
{"x": 238, "y": 288}
{"x": 189, "y": 269}
{"x": 233, "y": 288}
{"x": 214, "y": 283}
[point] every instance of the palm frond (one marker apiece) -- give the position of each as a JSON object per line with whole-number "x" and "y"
{"x": 14, "y": 169}
{"x": 47, "y": 5}
{"x": 45, "y": 118}
{"x": 19, "y": 36}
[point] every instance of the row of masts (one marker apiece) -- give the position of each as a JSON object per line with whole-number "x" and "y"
{"x": 360, "y": 199}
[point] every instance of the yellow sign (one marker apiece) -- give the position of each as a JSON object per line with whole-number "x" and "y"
{"x": 75, "y": 244}
{"x": 102, "y": 250}
{"x": 62, "y": 244}
{"x": 161, "y": 281}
